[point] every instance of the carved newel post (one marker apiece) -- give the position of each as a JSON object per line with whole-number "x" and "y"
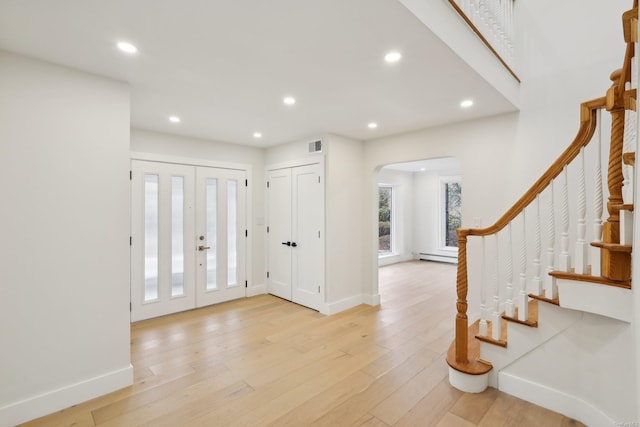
{"x": 616, "y": 262}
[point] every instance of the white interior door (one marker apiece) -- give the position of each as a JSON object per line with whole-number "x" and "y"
{"x": 307, "y": 220}
{"x": 279, "y": 233}
{"x": 221, "y": 235}
{"x": 295, "y": 242}
{"x": 162, "y": 256}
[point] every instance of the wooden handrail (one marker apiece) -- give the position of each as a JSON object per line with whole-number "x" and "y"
{"x": 585, "y": 133}
{"x": 483, "y": 38}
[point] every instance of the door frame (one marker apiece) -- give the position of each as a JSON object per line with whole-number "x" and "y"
{"x": 317, "y": 160}
{"x": 191, "y": 161}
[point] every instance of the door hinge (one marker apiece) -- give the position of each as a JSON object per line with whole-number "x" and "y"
{"x": 318, "y": 234}
{"x": 130, "y": 241}
{"x": 267, "y": 228}
{"x": 130, "y": 175}
{"x": 318, "y": 180}
{"x": 246, "y": 182}
{"x": 246, "y": 233}
{"x": 318, "y": 289}
{"x": 246, "y": 284}
{"x": 267, "y": 274}
{"x": 130, "y": 307}
{"x": 267, "y": 184}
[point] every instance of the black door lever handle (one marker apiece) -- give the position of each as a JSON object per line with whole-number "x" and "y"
{"x": 288, "y": 243}
{"x": 294, "y": 244}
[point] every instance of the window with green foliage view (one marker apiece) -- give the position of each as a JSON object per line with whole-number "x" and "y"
{"x": 453, "y": 212}
{"x": 385, "y": 199}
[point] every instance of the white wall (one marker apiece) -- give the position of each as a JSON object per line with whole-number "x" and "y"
{"x": 343, "y": 211}
{"x": 180, "y": 146}
{"x": 64, "y": 222}
{"x": 403, "y": 215}
{"x": 480, "y": 146}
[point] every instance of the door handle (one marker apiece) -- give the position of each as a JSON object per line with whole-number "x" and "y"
{"x": 294, "y": 244}
{"x": 203, "y": 248}
{"x": 287, "y": 243}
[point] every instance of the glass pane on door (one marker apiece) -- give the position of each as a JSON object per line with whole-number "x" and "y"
{"x": 212, "y": 232}
{"x": 177, "y": 236}
{"x": 232, "y": 232}
{"x": 150, "y": 237}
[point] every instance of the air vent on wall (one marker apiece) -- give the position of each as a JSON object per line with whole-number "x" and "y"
{"x": 315, "y": 146}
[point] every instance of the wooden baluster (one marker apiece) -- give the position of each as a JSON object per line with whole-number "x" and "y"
{"x": 565, "y": 258}
{"x": 496, "y": 320}
{"x": 597, "y": 201}
{"x": 523, "y": 298}
{"x": 581, "y": 244}
{"x": 509, "y": 307}
{"x": 550, "y": 287}
{"x": 536, "y": 282}
{"x": 462, "y": 287}
{"x": 483, "y": 329}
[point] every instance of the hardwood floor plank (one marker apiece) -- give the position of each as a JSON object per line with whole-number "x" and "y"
{"x": 432, "y": 407}
{"x": 265, "y": 361}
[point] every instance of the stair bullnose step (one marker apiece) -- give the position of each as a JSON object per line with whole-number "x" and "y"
{"x": 474, "y": 366}
{"x": 589, "y": 278}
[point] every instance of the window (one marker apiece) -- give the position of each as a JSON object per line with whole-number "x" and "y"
{"x": 452, "y": 204}
{"x": 385, "y": 219}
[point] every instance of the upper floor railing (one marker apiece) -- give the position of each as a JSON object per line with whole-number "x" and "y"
{"x": 492, "y": 21}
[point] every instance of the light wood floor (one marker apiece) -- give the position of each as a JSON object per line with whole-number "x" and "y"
{"x": 264, "y": 361}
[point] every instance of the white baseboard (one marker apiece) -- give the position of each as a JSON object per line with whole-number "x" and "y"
{"x": 372, "y": 300}
{"x": 347, "y": 303}
{"x": 342, "y": 305}
{"x": 439, "y": 258}
{"x": 56, "y": 400}
{"x": 260, "y": 289}
{"x": 394, "y": 259}
{"x": 554, "y": 400}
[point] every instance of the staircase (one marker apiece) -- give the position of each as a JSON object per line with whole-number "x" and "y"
{"x": 528, "y": 313}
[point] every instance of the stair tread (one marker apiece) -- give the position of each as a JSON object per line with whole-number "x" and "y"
{"x": 532, "y": 321}
{"x": 590, "y": 279}
{"x": 629, "y": 158}
{"x": 554, "y": 301}
{"x": 614, "y": 247}
{"x": 502, "y": 342}
{"x": 474, "y": 366}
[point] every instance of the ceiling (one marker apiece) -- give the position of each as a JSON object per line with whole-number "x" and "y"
{"x": 224, "y": 66}
{"x": 428, "y": 165}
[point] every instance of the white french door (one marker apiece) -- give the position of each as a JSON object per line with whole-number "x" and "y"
{"x": 188, "y": 237}
{"x": 220, "y": 226}
{"x": 295, "y": 241}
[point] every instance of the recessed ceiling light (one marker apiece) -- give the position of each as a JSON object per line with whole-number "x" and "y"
{"x": 372, "y": 125}
{"x": 127, "y": 47}
{"x": 174, "y": 119}
{"x": 257, "y": 135}
{"x": 466, "y": 103}
{"x": 423, "y": 169}
{"x": 289, "y": 100}
{"x": 393, "y": 57}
